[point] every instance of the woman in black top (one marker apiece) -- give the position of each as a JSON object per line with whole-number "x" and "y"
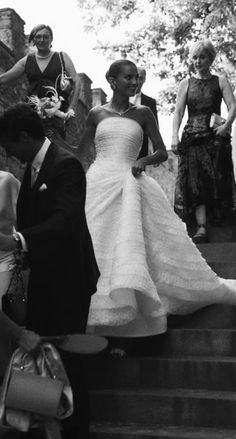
{"x": 43, "y": 68}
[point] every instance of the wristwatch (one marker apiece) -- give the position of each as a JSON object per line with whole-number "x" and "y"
{"x": 17, "y": 239}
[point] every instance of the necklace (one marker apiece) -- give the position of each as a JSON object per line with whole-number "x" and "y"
{"x": 45, "y": 56}
{"x": 121, "y": 112}
{"x": 208, "y": 76}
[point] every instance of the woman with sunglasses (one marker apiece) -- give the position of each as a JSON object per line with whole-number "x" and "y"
{"x": 43, "y": 68}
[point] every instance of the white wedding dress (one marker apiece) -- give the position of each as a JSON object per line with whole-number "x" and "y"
{"x": 149, "y": 266}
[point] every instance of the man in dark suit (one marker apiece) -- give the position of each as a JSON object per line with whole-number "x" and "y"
{"x": 52, "y": 230}
{"x": 142, "y": 99}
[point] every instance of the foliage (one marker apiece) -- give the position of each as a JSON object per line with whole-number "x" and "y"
{"x": 159, "y": 33}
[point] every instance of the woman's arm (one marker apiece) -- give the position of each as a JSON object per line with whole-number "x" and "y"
{"x": 179, "y": 113}
{"x": 14, "y": 73}
{"x": 230, "y": 102}
{"x": 70, "y": 70}
{"x": 151, "y": 129}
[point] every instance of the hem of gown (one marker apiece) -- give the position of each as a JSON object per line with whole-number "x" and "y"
{"x": 140, "y": 327}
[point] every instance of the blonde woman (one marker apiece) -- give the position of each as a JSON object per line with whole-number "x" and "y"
{"x": 205, "y": 188}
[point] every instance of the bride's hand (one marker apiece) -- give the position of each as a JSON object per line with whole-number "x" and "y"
{"x": 138, "y": 167}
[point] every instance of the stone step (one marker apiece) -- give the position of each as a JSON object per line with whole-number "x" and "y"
{"x": 209, "y": 317}
{"x": 218, "y": 251}
{"x": 204, "y": 342}
{"x": 189, "y": 373}
{"x": 220, "y": 257}
{"x": 180, "y": 407}
{"x": 116, "y": 431}
{"x": 183, "y": 342}
{"x": 224, "y": 233}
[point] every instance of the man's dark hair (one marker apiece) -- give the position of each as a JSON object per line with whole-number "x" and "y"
{"x": 18, "y": 118}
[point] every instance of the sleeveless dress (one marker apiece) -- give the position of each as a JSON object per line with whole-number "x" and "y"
{"x": 149, "y": 266}
{"x": 205, "y": 160}
{"x": 38, "y": 80}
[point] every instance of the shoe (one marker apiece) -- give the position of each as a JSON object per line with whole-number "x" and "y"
{"x": 201, "y": 235}
{"x": 117, "y": 353}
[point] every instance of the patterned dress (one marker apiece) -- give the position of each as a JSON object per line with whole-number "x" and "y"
{"x": 205, "y": 170}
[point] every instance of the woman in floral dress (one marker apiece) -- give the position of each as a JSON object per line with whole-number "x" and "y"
{"x": 205, "y": 187}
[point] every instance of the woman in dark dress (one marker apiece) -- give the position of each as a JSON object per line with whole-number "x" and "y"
{"x": 43, "y": 68}
{"x": 205, "y": 187}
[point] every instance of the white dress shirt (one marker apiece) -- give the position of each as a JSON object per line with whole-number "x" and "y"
{"x": 38, "y": 160}
{"x": 35, "y": 168}
{"x": 136, "y": 99}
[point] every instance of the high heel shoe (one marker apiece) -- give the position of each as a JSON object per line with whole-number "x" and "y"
{"x": 200, "y": 236}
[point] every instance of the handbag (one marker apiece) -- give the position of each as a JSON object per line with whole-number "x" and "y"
{"x": 14, "y": 300}
{"x": 216, "y": 120}
{"x": 35, "y": 391}
{"x": 63, "y": 82}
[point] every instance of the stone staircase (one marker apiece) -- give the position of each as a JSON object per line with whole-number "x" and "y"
{"x": 181, "y": 384}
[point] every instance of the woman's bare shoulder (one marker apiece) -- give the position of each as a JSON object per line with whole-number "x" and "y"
{"x": 183, "y": 85}
{"x": 96, "y": 114}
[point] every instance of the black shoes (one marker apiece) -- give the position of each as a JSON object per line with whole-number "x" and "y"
{"x": 200, "y": 236}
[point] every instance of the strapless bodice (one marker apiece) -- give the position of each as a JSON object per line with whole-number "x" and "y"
{"x": 118, "y": 139}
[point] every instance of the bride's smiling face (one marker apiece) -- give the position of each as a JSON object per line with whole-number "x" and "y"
{"x": 126, "y": 81}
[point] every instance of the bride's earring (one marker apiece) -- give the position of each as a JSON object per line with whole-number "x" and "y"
{"x": 113, "y": 86}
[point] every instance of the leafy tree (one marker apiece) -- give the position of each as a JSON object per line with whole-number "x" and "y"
{"x": 159, "y": 33}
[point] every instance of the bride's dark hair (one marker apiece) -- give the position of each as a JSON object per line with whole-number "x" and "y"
{"x": 116, "y": 67}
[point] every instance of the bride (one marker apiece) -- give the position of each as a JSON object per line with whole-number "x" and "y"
{"x": 149, "y": 266}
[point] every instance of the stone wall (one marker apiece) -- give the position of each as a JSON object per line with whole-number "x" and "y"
{"x": 12, "y": 32}
{"x": 12, "y": 47}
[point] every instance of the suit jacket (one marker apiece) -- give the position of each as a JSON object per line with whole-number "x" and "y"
{"x": 51, "y": 217}
{"x": 151, "y": 103}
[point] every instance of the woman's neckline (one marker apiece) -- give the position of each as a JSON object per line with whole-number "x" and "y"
{"x": 120, "y": 113}
{"x": 203, "y": 78}
{"x": 45, "y": 56}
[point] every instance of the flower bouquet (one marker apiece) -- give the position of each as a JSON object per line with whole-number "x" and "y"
{"x": 49, "y": 106}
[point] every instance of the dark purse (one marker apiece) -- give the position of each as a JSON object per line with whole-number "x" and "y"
{"x": 14, "y": 300}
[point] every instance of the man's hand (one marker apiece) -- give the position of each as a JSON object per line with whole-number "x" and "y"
{"x": 29, "y": 340}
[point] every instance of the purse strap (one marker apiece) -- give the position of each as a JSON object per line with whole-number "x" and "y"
{"x": 62, "y": 61}
{"x": 62, "y": 74}
{"x": 16, "y": 279}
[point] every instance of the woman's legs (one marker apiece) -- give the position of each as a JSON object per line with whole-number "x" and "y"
{"x": 200, "y": 215}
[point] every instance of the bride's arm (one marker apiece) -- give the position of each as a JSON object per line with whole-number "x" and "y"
{"x": 160, "y": 154}
{"x": 151, "y": 129}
